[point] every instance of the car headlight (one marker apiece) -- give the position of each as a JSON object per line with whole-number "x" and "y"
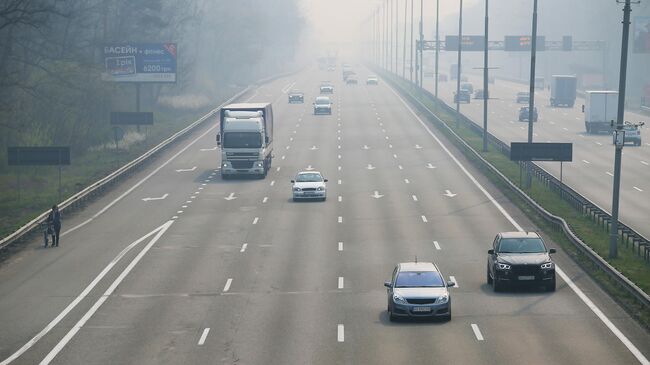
{"x": 260, "y": 164}
{"x": 398, "y": 299}
{"x": 296, "y": 189}
{"x": 225, "y": 164}
{"x": 501, "y": 266}
{"x": 443, "y": 299}
{"x": 547, "y": 265}
{"x": 320, "y": 188}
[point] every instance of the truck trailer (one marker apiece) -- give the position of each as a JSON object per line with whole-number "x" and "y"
{"x": 601, "y": 108}
{"x": 563, "y": 90}
{"x": 246, "y": 139}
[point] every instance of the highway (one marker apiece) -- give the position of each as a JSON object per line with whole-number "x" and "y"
{"x": 234, "y": 272}
{"x": 591, "y": 172}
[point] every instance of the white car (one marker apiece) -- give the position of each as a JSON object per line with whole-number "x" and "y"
{"x": 309, "y": 185}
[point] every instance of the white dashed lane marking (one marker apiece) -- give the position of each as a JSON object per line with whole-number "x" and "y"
{"x": 477, "y": 332}
{"x": 227, "y": 286}
{"x": 204, "y": 336}
{"x": 436, "y": 245}
{"x": 243, "y": 247}
{"x": 340, "y": 335}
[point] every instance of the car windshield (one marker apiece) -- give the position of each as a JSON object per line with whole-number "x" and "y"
{"x": 310, "y": 177}
{"x": 521, "y": 245}
{"x": 418, "y": 279}
{"x": 242, "y": 140}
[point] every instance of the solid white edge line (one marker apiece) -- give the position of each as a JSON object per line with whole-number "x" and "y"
{"x": 477, "y": 332}
{"x": 73, "y": 331}
{"x": 630, "y": 346}
{"x": 227, "y": 286}
{"x": 204, "y": 335}
{"x": 340, "y": 333}
{"x": 80, "y": 297}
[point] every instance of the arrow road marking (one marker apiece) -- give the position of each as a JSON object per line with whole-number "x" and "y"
{"x": 309, "y": 168}
{"x": 376, "y": 195}
{"x": 313, "y": 148}
{"x": 231, "y": 196}
{"x": 449, "y": 194}
{"x": 418, "y": 147}
{"x": 159, "y": 198}
{"x": 186, "y": 170}
{"x": 370, "y": 167}
{"x": 430, "y": 166}
{"x": 365, "y": 147}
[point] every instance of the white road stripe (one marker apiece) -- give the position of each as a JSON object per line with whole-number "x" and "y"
{"x": 394, "y": 155}
{"x": 278, "y": 169}
{"x": 424, "y": 219}
{"x": 630, "y": 346}
{"x": 436, "y": 245}
{"x": 587, "y": 162}
{"x": 227, "y": 286}
{"x": 340, "y": 198}
{"x": 637, "y": 189}
{"x": 256, "y": 220}
{"x": 340, "y": 219}
{"x": 477, "y": 332}
{"x": 272, "y": 182}
{"x": 283, "y": 157}
{"x": 645, "y": 163}
{"x": 339, "y": 168}
{"x": 243, "y": 247}
{"x": 340, "y": 246}
{"x": 609, "y": 173}
{"x": 266, "y": 198}
{"x": 341, "y": 282}
{"x": 400, "y": 167}
{"x": 407, "y": 181}
{"x": 340, "y": 335}
{"x": 453, "y": 278}
{"x": 204, "y": 335}
{"x": 73, "y": 331}
{"x": 415, "y": 198}
{"x": 340, "y": 182}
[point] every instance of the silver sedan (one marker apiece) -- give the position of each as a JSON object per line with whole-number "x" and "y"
{"x": 309, "y": 185}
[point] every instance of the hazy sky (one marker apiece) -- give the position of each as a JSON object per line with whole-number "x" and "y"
{"x": 336, "y": 20}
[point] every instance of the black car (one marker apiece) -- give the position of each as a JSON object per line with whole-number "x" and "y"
{"x": 464, "y": 96}
{"x": 479, "y": 94}
{"x": 296, "y": 96}
{"x": 524, "y": 114}
{"x": 520, "y": 258}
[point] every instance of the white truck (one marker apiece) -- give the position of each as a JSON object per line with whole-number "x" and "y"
{"x": 601, "y": 108}
{"x": 246, "y": 139}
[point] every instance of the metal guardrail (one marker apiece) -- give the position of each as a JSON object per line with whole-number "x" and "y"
{"x": 558, "y": 222}
{"x": 99, "y": 186}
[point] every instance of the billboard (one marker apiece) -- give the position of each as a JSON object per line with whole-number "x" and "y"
{"x": 140, "y": 62}
{"x": 38, "y": 156}
{"x": 470, "y": 43}
{"x": 519, "y": 43}
{"x": 641, "y": 34}
{"x": 541, "y": 151}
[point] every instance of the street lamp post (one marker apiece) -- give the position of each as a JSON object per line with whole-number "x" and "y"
{"x": 485, "y": 81}
{"x": 613, "y": 233}
{"x": 437, "y": 47}
{"x": 531, "y": 101}
{"x": 460, "y": 46}
{"x": 421, "y": 40}
{"x": 411, "y": 58}
{"x": 406, "y": 4}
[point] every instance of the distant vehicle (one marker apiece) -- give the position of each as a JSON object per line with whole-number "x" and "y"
{"x": 246, "y": 139}
{"x": 326, "y": 87}
{"x": 442, "y": 77}
{"x": 464, "y": 96}
{"x": 563, "y": 90}
{"x": 372, "y": 80}
{"x": 453, "y": 71}
{"x": 296, "y": 96}
{"x": 347, "y": 72}
{"x": 351, "y": 80}
{"x": 309, "y": 185}
{"x": 524, "y": 114}
{"x": 540, "y": 84}
{"x": 322, "y": 105}
{"x": 601, "y": 107}
{"x": 520, "y": 258}
{"x": 416, "y": 290}
{"x": 632, "y": 134}
{"x": 467, "y": 86}
{"x": 479, "y": 94}
{"x": 523, "y": 97}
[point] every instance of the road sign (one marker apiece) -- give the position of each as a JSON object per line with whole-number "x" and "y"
{"x": 38, "y": 156}
{"x": 470, "y": 43}
{"x": 520, "y": 43}
{"x": 537, "y": 151}
{"x": 140, "y": 62}
{"x": 131, "y": 118}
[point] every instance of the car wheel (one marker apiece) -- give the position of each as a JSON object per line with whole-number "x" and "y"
{"x": 489, "y": 278}
{"x": 295, "y": 200}
{"x": 225, "y": 177}
{"x": 447, "y": 318}
{"x": 496, "y": 285}
{"x": 391, "y": 317}
{"x": 550, "y": 287}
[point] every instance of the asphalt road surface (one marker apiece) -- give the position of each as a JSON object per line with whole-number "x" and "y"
{"x": 592, "y": 170}
{"x": 190, "y": 277}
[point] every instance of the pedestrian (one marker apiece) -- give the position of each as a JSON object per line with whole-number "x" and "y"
{"x": 54, "y": 220}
